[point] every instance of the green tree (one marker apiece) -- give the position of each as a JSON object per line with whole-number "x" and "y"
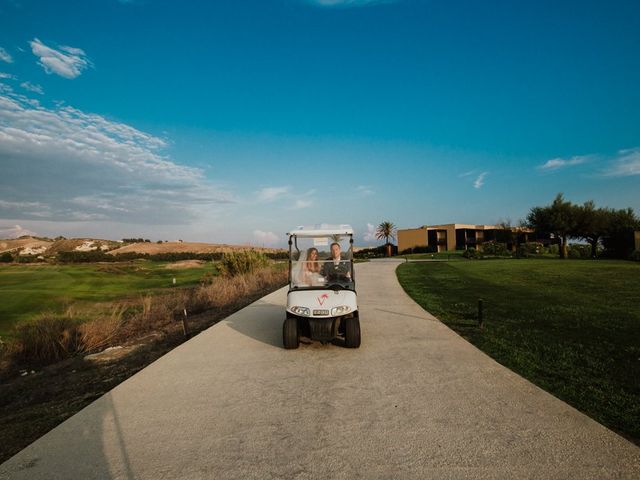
{"x": 506, "y": 234}
{"x": 560, "y": 218}
{"x": 618, "y": 238}
{"x": 592, "y": 224}
{"x": 387, "y": 231}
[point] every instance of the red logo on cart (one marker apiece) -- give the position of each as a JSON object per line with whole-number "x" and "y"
{"x": 322, "y": 298}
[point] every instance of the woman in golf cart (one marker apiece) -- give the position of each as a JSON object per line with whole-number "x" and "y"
{"x": 308, "y": 269}
{"x": 311, "y": 267}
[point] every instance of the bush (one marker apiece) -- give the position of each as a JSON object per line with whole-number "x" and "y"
{"x": 635, "y": 256}
{"x": 46, "y": 339}
{"x": 526, "y": 250}
{"x": 6, "y": 257}
{"x": 84, "y": 257}
{"x": 99, "y": 256}
{"x": 495, "y": 248}
{"x": 238, "y": 263}
{"x": 579, "y": 251}
{"x": 471, "y": 253}
{"x": 27, "y": 258}
{"x": 375, "y": 252}
{"x": 283, "y": 255}
{"x": 554, "y": 249}
{"x": 419, "y": 249}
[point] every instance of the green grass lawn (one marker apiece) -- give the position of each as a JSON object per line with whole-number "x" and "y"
{"x": 456, "y": 255}
{"x": 27, "y": 290}
{"x": 572, "y": 327}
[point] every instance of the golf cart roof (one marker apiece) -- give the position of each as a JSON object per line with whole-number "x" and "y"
{"x": 323, "y": 230}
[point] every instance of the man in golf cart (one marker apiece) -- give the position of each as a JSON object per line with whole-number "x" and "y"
{"x": 336, "y": 268}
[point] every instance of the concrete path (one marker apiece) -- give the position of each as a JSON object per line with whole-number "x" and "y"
{"x": 415, "y": 401}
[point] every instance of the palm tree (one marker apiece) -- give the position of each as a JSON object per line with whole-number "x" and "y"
{"x": 386, "y": 231}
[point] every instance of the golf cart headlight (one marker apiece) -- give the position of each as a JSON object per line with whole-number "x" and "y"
{"x": 300, "y": 311}
{"x": 342, "y": 309}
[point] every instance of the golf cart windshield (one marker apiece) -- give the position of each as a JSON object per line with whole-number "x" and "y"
{"x": 322, "y": 261}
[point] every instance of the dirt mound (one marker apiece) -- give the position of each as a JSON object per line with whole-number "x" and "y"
{"x": 185, "y": 247}
{"x": 30, "y": 243}
{"x": 80, "y": 244}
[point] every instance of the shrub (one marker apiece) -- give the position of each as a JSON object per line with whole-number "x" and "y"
{"x": 231, "y": 290}
{"x": 84, "y": 257}
{"x": 208, "y": 278}
{"x": 283, "y": 255}
{"x": 471, "y": 253}
{"x": 526, "y": 250}
{"x": 635, "y": 256}
{"x": 375, "y": 252}
{"x": 45, "y": 339}
{"x": 554, "y": 249}
{"x": 6, "y": 257}
{"x": 579, "y": 251}
{"x": 495, "y": 248}
{"x": 238, "y": 263}
{"x": 419, "y": 249}
{"x": 99, "y": 332}
{"x": 27, "y": 258}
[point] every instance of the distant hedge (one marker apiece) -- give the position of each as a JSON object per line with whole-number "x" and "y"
{"x": 99, "y": 256}
{"x": 375, "y": 252}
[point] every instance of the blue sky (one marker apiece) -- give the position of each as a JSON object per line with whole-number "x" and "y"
{"x": 234, "y": 121}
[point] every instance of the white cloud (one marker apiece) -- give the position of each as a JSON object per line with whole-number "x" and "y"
{"x": 7, "y": 76}
{"x": 301, "y": 203}
{"x": 14, "y": 231}
{"x": 370, "y": 234}
{"x": 32, "y": 87}
{"x": 63, "y": 164}
{"x": 347, "y": 3}
{"x": 5, "y": 56}
{"x": 364, "y": 190}
{"x": 467, "y": 174}
{"x": 68, "y": 62}
{"x": 266, "y": 238}
{"x": 626, "y": 163}
{"x": 479, "y": 182}
{"x": 557, "y": 163}
{"x": 269, "y": 194}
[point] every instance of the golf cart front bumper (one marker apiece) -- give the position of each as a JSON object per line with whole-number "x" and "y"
{"x": 319, "y": 311}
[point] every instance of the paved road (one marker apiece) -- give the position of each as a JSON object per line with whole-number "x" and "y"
{"x": 415, "y": 401}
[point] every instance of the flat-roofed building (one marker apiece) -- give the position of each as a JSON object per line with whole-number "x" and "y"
{"x": 459, "y": 236}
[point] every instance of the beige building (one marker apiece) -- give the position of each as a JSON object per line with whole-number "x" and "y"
{"x": 455, "y": 236}
{"x": 637, "y": 239}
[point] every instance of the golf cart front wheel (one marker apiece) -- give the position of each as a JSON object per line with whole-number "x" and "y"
{"x": 352, "y": 332}
{"x": 290, "y": 336}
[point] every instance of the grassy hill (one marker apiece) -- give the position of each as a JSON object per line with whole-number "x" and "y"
{"x": 179, "y": 247}
{"x": 29, "y": 290}
{"x": 49, "y": 248}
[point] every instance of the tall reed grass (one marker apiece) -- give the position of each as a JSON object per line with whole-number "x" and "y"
{"x": 51, "y": 338}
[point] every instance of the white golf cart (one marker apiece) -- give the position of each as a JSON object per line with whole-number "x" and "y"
{"x": 321, "y": 303}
